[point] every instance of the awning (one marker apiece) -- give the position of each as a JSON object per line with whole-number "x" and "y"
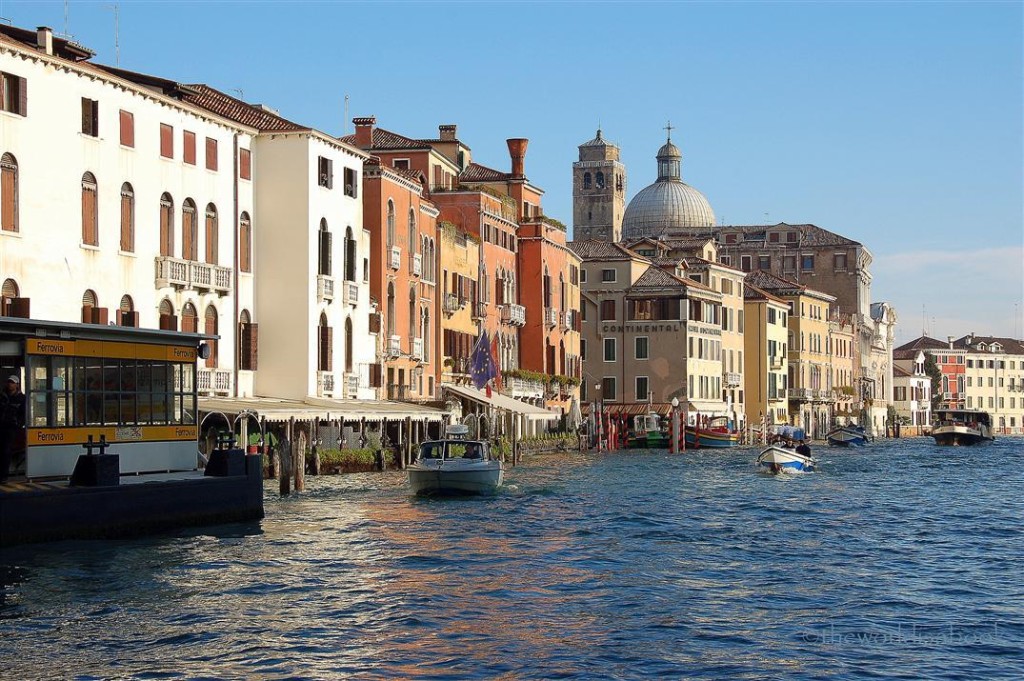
{"x": 707, "y": 406}
{"x": 499, "y": 401}
{"x": 282, "y": 409}
{"x": 631, "y": 409}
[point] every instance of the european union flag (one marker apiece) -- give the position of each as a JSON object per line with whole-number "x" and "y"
{"x": 481, "y": 365}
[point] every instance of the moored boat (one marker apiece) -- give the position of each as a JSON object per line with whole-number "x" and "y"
{"x": 962, "y": 427}
{"x": 847, "y": 436}
{"x": 647, "y": 433}
{"x": 716, "y": 433}
{"x": 455, "y": 465}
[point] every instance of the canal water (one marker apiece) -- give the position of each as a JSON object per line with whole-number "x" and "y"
{"x": 903, "y": 560}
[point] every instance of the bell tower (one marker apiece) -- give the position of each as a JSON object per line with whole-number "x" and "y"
{"x": 598, "y": 191}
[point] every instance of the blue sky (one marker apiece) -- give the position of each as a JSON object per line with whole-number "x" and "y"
{"x": 898, "y": 125}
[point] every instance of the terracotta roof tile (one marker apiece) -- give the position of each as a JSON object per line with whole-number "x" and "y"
{"x": 475, "y": 172}
{"x": 592, "y": 249}
{"x": 239, "y": 111}
{"x": 923, "y": 343}
{"x": 385, "y": 139}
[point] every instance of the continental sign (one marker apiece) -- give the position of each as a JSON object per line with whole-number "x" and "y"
{"x": 641, "y": 328}
{"x": 114, "y": 434}
{"x": 111, "y": 349}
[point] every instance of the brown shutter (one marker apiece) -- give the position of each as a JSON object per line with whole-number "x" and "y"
{"x": 211, "y": 329}
{"x": 211, "y": 238}
{"x": 22, "y": 96}
{"x": 166, "y": 244}
{"x": 128, "y": 319}
{"x": 166, "y": 141}
{"x": 211, "y": 153}
{"x": 127, "y": 128}
{"x": 19, "y": 307}
{"x": 99, "y": 315}
{"x": 244, "y": 164}
{"x": 7, "y": 186}
{"x": 86, "y": 117}
{"x": 376, "y": 376}
{"x": 326, "y": 355}
{"x": 374, "y": 323}
{"x": 325, "y": 253}
{"x": 89, "y": 216}
{"x": 188, "y": 153}
{"x": 168, "y": 322}
{"x": 249, "y": 342}
{"x": 127, "y": 231}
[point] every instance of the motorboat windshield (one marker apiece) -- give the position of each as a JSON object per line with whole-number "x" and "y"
{"x": 454, "y": 449}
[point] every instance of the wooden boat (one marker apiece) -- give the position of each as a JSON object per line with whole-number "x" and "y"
{"x": 847, "y": 436}
{"x": 717, "y": 433}
{"x": 455, "y": 465}
{"x": 647, "y": 433}
{"x": 962, "y": 427}
{"x": 776, "y": 459}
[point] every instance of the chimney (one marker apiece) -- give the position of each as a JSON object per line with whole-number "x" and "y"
{"x": 447, "y": 132}
{"x": 44, "y": 39}
{"x": 364, "y": 131}
{"x": 517, "y": 150}
{"x": 949, "y": 339}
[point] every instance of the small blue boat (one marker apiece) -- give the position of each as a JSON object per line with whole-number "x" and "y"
{"x": 847, "y": 436}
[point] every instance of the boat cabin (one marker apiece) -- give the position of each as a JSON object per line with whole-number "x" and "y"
{"x": 646, "y": 423}
{"x": 455, "y": 446}
{"x": 962, "y": 417}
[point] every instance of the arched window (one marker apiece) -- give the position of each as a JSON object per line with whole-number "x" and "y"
{"x": 168, "y": 322}
{"x": 561, "y": 292}
{"x": 499, "y": 286}
{"x": 126, "y": 315}
{"x": 547, "y": 287}
{"x": 166, "y": 225}
{"x": 127, "y": 218}
{"x": 391, "y": 309}
{"x": 90, "y": 215}
{"x": 211, "y": 328}
{"x": 413, "y": 317}
{"x": 599, "y": 180}
{"x": 324, "y": 249}
{"x": 391, "y": 223}
{"x": 324, "y": 356}
{"x": 89, "y": 303}
{"x": 412, "y": 232}
{"x": 348, "y": 345}
{"x": 9, "y": 292}
{"x": 189, "y": 319}
{"x": 484, "y": 286}
{"x": 350, "y": 255}
{"x": 189, "y": 231}
{"x": 247, "y": 342}
{"x": 211, "y": 234}
{"x": 245, "y": 243}
{"x": 8, "y": 193}
{"x": 586, "y": 180}
{"x": 426, "y": 334}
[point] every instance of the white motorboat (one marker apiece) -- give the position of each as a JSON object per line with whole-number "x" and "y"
{"x": 956, "y": 427}
{"x": 456, "y": 465}
{"x": 777, "y": 459}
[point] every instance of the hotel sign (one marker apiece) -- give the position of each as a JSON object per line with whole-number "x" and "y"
{"x": 640, "y": 328}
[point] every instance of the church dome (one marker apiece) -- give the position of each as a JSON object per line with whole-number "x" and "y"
{"x": 667, "y": 205}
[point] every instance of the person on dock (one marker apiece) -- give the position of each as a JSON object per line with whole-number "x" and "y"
{"x": 12, "y": 422}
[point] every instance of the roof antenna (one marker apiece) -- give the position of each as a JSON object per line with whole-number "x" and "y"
{"x": 241, "y": 95}
{"x": 344, "y": 128}
{"x": 116, "y": 7}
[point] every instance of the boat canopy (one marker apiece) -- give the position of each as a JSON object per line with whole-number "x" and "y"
{"x": 791, "y": 432}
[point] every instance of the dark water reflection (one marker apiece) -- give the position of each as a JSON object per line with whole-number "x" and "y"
{"x": 903, "y": 561}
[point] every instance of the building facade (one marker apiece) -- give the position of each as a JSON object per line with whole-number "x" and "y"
{"x": 766, "y": 367}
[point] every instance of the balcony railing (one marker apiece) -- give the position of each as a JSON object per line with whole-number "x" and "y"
{"x": 522, "y": 387}
{"x": 324, "y": 288}
{"x": 513, "y": 314}
{"x": 171, "y": 272}
{"x": 324, "y": 384}
{"x": 566, "y": 320}
{"x": 417, "y": 348}
{"x": 396, "y": 257}
{"x": 480, "y": 310}
{"x": 201, "y": 275}
{"x": 351, "y": 293}
{"x": 417, "y": 264}
{"x": 731, "y": 379}
{"x": 351, "y": 386}
{"x": 776, "y": 362}
{"x": 551, "y": 316}
{"x": 190, "y": 274}
{"x": 397, "y": 392}
{"x": 213, "y": 381}
{"x": 801, "y": 393}
{"x": 394, "y": 348}
{"x": 451, "y": 303}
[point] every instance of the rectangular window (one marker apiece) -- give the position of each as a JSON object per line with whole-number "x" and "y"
{"x": 90, "y": 117}
{"x": 642, "y": 389}
{"x": 607, "y": 310}
{"x": 608, "y": 275}
{"x": 13, "y": 94}
{"x": 325, "y": 172}
{"x": 583, "y": 276}
{"x": 166, "y": 141}
{"x": 401, "y": 163}
{"x": 188, "y": 153}
{"x": 773, "y": 238}
{"x": 245, "y": 164}
{"x": 351, "y": 183}
{"x": 730, "y": 238}
{"x": 745, "y": 263}
{"x": 127, "y": 128}
{"x": 791, "y": 237}
{"x": 640, "y": 347}
{"x": 807, "y": 262}
{"x": 764, "y": 262}
{"x": 608, "y": 388}
{"x": 211, "y": 153}
{"x": 610, "y": 352}
{"x": 583, "y": 349}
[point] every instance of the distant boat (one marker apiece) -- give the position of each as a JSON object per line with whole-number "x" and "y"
{"x": 847, "y": 436}
{"x": 776, "y": 459}
{"x": 647, "y": 433}
{"x": 717, "y": 433}
{"x": 455, "y": 465}
{"x": 962, "y": 427}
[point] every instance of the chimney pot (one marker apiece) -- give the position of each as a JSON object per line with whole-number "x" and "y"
{"x": 364, "y": 131}
{"x": 517, "y": 150}
{"x": 44, "y": 39}
{"x": 447, "y": 132}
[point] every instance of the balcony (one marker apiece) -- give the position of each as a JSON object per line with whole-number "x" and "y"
{"x": 417, "y": 349}
{"x": 324, "y": 288}
{"x": 520, "y": 388}
{"x": 195, "y": 275}
{"x": 171, "y": 272}
{"x": 351, "y": 386}
{"x": 480, "y": 310}
{"x": 776, "y": 363}
{"x": 731, "y": 380}
{"x": 566, "y": 320}
{"x": 551, "y": 316}
{"x": 213, "y": 381}
{"x": 324, "y": 384}
{"x": 394, "y": 347}
{"x": 396, "y": 257}
{"x": 824, "y": 396}
{"x": 451, "y": 303}
{"x": 417, "y": 264}
{"x": 801, "y": 394}
{"x": 513, "y": 314}
{"x": 351, "y": 293}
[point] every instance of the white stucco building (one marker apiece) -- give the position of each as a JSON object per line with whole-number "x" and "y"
{"x": 912, "y": 392}
{"x": 121, "y": 203}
